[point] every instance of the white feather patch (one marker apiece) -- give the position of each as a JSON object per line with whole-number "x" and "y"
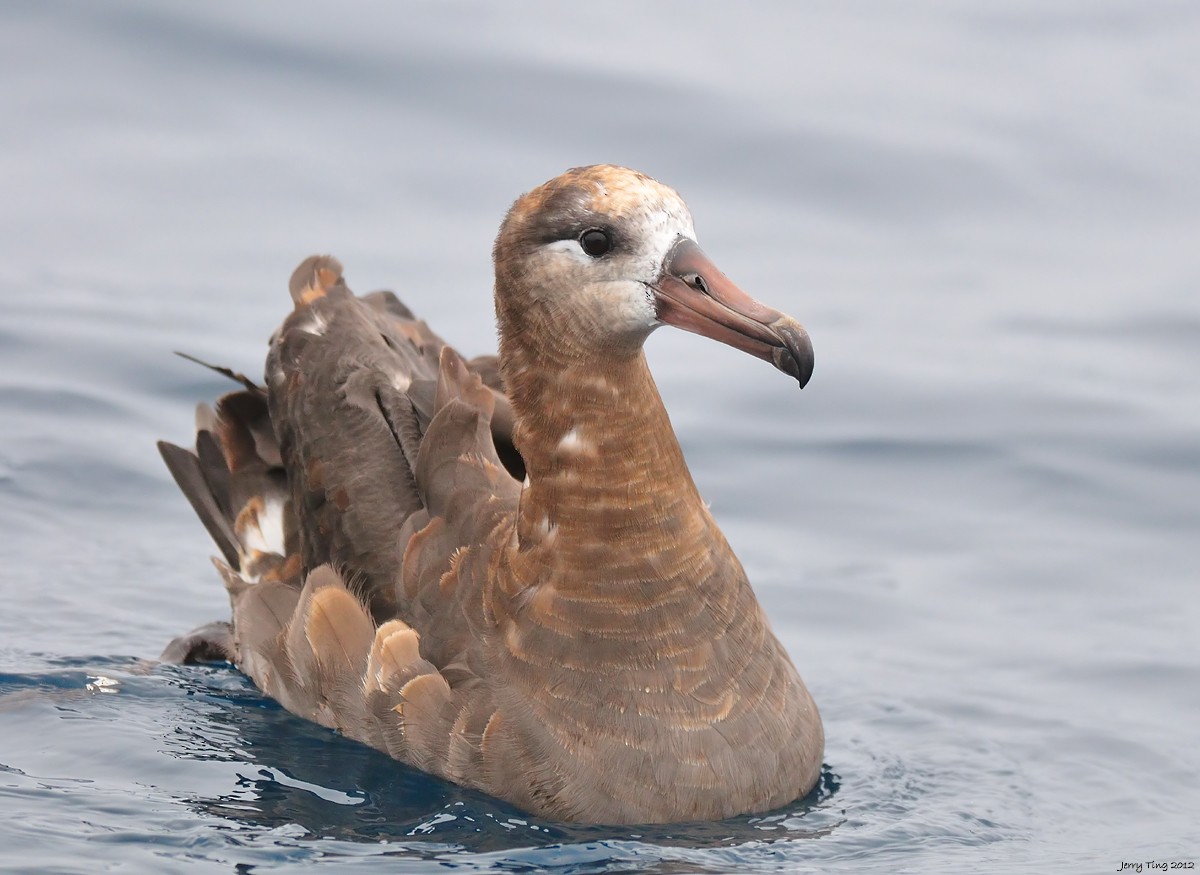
{"x": 314, "y": 325}
{"x": 267, "y": 535}
{"x": 572, "y": 442}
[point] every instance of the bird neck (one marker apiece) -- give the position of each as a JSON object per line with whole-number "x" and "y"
{"x": 609, "y": 503}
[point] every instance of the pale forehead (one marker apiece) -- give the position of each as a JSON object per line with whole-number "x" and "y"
{"x": 582, "y": 196}
{"x": 622, "y": 192}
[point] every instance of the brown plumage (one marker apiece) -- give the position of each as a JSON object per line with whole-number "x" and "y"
{"x": 502, "y": 573}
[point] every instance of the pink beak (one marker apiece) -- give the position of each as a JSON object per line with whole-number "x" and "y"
{"x": 694, "y": 295}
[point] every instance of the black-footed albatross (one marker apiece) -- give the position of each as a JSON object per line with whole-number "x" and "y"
{"x": 501, "y": 573}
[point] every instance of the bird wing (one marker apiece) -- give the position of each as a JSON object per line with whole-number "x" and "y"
{"x": 355, "y": 500}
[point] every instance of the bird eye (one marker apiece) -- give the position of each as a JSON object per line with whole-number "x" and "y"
{"x": 595, "y": 242}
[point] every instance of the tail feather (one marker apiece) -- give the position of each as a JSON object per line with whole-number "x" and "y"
{"x": 185, "y": 468}
{"x": 224, "y": 372}
{"x": 234, "y": 480}
{"x": 215, "y": 471}
{"x": 246, "y": 416}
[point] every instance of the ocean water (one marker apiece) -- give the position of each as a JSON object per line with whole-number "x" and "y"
{"x": 976, "y": 530}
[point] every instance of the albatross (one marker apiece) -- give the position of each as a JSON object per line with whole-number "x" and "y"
{"x": 499, "y": 571}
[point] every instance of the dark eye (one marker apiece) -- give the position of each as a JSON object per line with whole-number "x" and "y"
{"x": 595, "y": 242}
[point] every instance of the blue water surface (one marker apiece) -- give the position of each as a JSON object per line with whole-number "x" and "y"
{"x": 976, "y": 531}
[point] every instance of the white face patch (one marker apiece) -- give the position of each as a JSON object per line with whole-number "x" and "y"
{"x": 571, "y": 248}
{"x": 616, "y": 287}
{"x": 623, "y": 307}
{"x": 609, "y": 296}
{"x": 661, "y": 230}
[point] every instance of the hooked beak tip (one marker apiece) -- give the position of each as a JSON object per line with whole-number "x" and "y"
{"x": 795, "y": 357}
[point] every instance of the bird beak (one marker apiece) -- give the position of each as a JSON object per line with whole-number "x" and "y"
{"x": 694, "y": 295}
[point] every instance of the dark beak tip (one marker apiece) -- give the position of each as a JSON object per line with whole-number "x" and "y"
{"x": 804, "y": 368}
{"x": 802, "y": 371}
{"x": 795, "y": 358}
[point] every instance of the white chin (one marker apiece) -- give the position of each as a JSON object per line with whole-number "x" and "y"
{"x": 627, "y": 308}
